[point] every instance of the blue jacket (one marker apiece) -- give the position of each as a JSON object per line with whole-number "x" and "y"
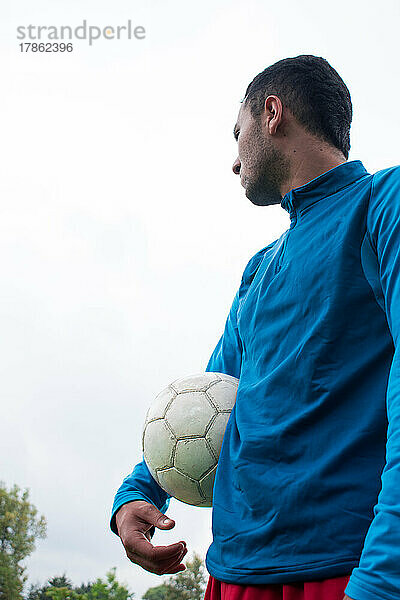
{"x": 308, "y": 479}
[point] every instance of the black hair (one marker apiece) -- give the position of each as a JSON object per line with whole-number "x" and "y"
{"x": 313, "y": 91}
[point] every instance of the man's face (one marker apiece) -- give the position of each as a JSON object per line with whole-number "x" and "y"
{"x": 261, "y": 166}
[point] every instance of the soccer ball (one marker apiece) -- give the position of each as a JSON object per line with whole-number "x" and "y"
{"x": 183, "y": 431}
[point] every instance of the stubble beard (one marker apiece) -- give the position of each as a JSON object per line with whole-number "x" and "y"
{"x": 264, "y": 187}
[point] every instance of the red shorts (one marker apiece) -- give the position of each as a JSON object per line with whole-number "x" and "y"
{"x": 323, "y": 589}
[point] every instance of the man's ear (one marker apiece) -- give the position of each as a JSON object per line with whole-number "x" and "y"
{"x": 273, "y": 113}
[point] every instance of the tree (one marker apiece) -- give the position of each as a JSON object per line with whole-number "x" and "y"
{"x": 20, "y": 526}
{"x": 60, "y": 588}
{"x": 160, "y": 592}
{"x": 84, "y": 588}
{"x": 189, "y": 584}
{"x": 63, "y": 593}
{"x": 37, "y": 592}
{"x": 60, "y": 581}
{"x": 109, "y": 589}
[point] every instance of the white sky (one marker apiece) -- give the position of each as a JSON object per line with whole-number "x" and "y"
{"x": 124, "y": 233}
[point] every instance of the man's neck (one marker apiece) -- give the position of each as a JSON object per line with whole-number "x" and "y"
{"x": 307, "y": 165}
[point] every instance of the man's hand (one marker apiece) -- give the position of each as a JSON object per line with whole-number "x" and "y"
{"x": 135, "y": 523}
{"x": 347, "y": 598}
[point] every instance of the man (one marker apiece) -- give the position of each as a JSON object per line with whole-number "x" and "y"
{"x": 307, "y": 493}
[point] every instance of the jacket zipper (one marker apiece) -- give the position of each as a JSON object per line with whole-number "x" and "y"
{"x": 293, "y": 221}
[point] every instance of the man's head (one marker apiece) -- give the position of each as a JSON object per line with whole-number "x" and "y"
{"x": 292, "y": 112}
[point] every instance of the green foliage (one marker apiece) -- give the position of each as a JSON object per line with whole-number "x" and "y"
{"x": 37, "y": 592}
{"x": 62, "y": 593}
{"x": 84, "y": 588}
{"x": 60, "y": 581}
{"x": 60, "y": 588}
{"x": 20, "y": 526}
{"x": 161, "y": 592}
{"x": 10, "y": 583}
{"x": 189, "y": 584}
{"x": 109, "y": 589}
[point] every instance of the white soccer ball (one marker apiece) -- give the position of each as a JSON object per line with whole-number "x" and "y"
{"x": 183, "y": 431}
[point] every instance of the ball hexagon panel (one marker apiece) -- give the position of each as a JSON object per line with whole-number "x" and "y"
{"x": 194, "y": 457}
{"x": 198, "y": 382}
{"x": 215, "y": 434}
{"x": 158, "y": 408}
{"x": 189, "y": 412}
{"x": 228, "y": 378}
{"x": 207, "y": 485}
{"x": 159, "y": 438}
{"x": 180, "y": 485}
{"x": 221, "y": 394}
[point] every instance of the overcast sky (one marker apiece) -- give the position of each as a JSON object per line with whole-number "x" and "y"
{"x": 124, "y": 232}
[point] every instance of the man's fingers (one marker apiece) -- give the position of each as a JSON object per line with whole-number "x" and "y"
{"x": 169, "y": 565}
{"x": 176, "y": 570}
{"x": 177, "y": 565}
{"x": 136, "y": 522}
{"x": 150, "y": 514}
{"x": 138, "y": 544}
{"x": 160, "y": 567}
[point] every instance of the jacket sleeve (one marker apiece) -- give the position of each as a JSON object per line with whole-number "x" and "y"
{"x": 377, "y": 576}
{"x": 227, "y": 355}
{"x": 139, "y": 485}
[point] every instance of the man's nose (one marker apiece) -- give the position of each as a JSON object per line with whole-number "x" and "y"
{"x": 236, "y": 166}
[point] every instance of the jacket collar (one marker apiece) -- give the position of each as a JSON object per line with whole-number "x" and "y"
{"x": 324, "y": 185}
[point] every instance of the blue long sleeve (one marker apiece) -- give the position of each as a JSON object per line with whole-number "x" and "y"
{"x": 378, "y": 573}
{"x": 227, "y": 355}
{"x": 139, "y": 485}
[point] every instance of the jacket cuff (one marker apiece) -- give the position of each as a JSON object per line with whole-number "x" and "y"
{"x": 359, "y": 590}
{"x": 130, "y": 497}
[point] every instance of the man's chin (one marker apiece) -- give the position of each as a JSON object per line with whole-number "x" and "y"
{"x": 255, "y": 198}
{"x": 261, "y": 198}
